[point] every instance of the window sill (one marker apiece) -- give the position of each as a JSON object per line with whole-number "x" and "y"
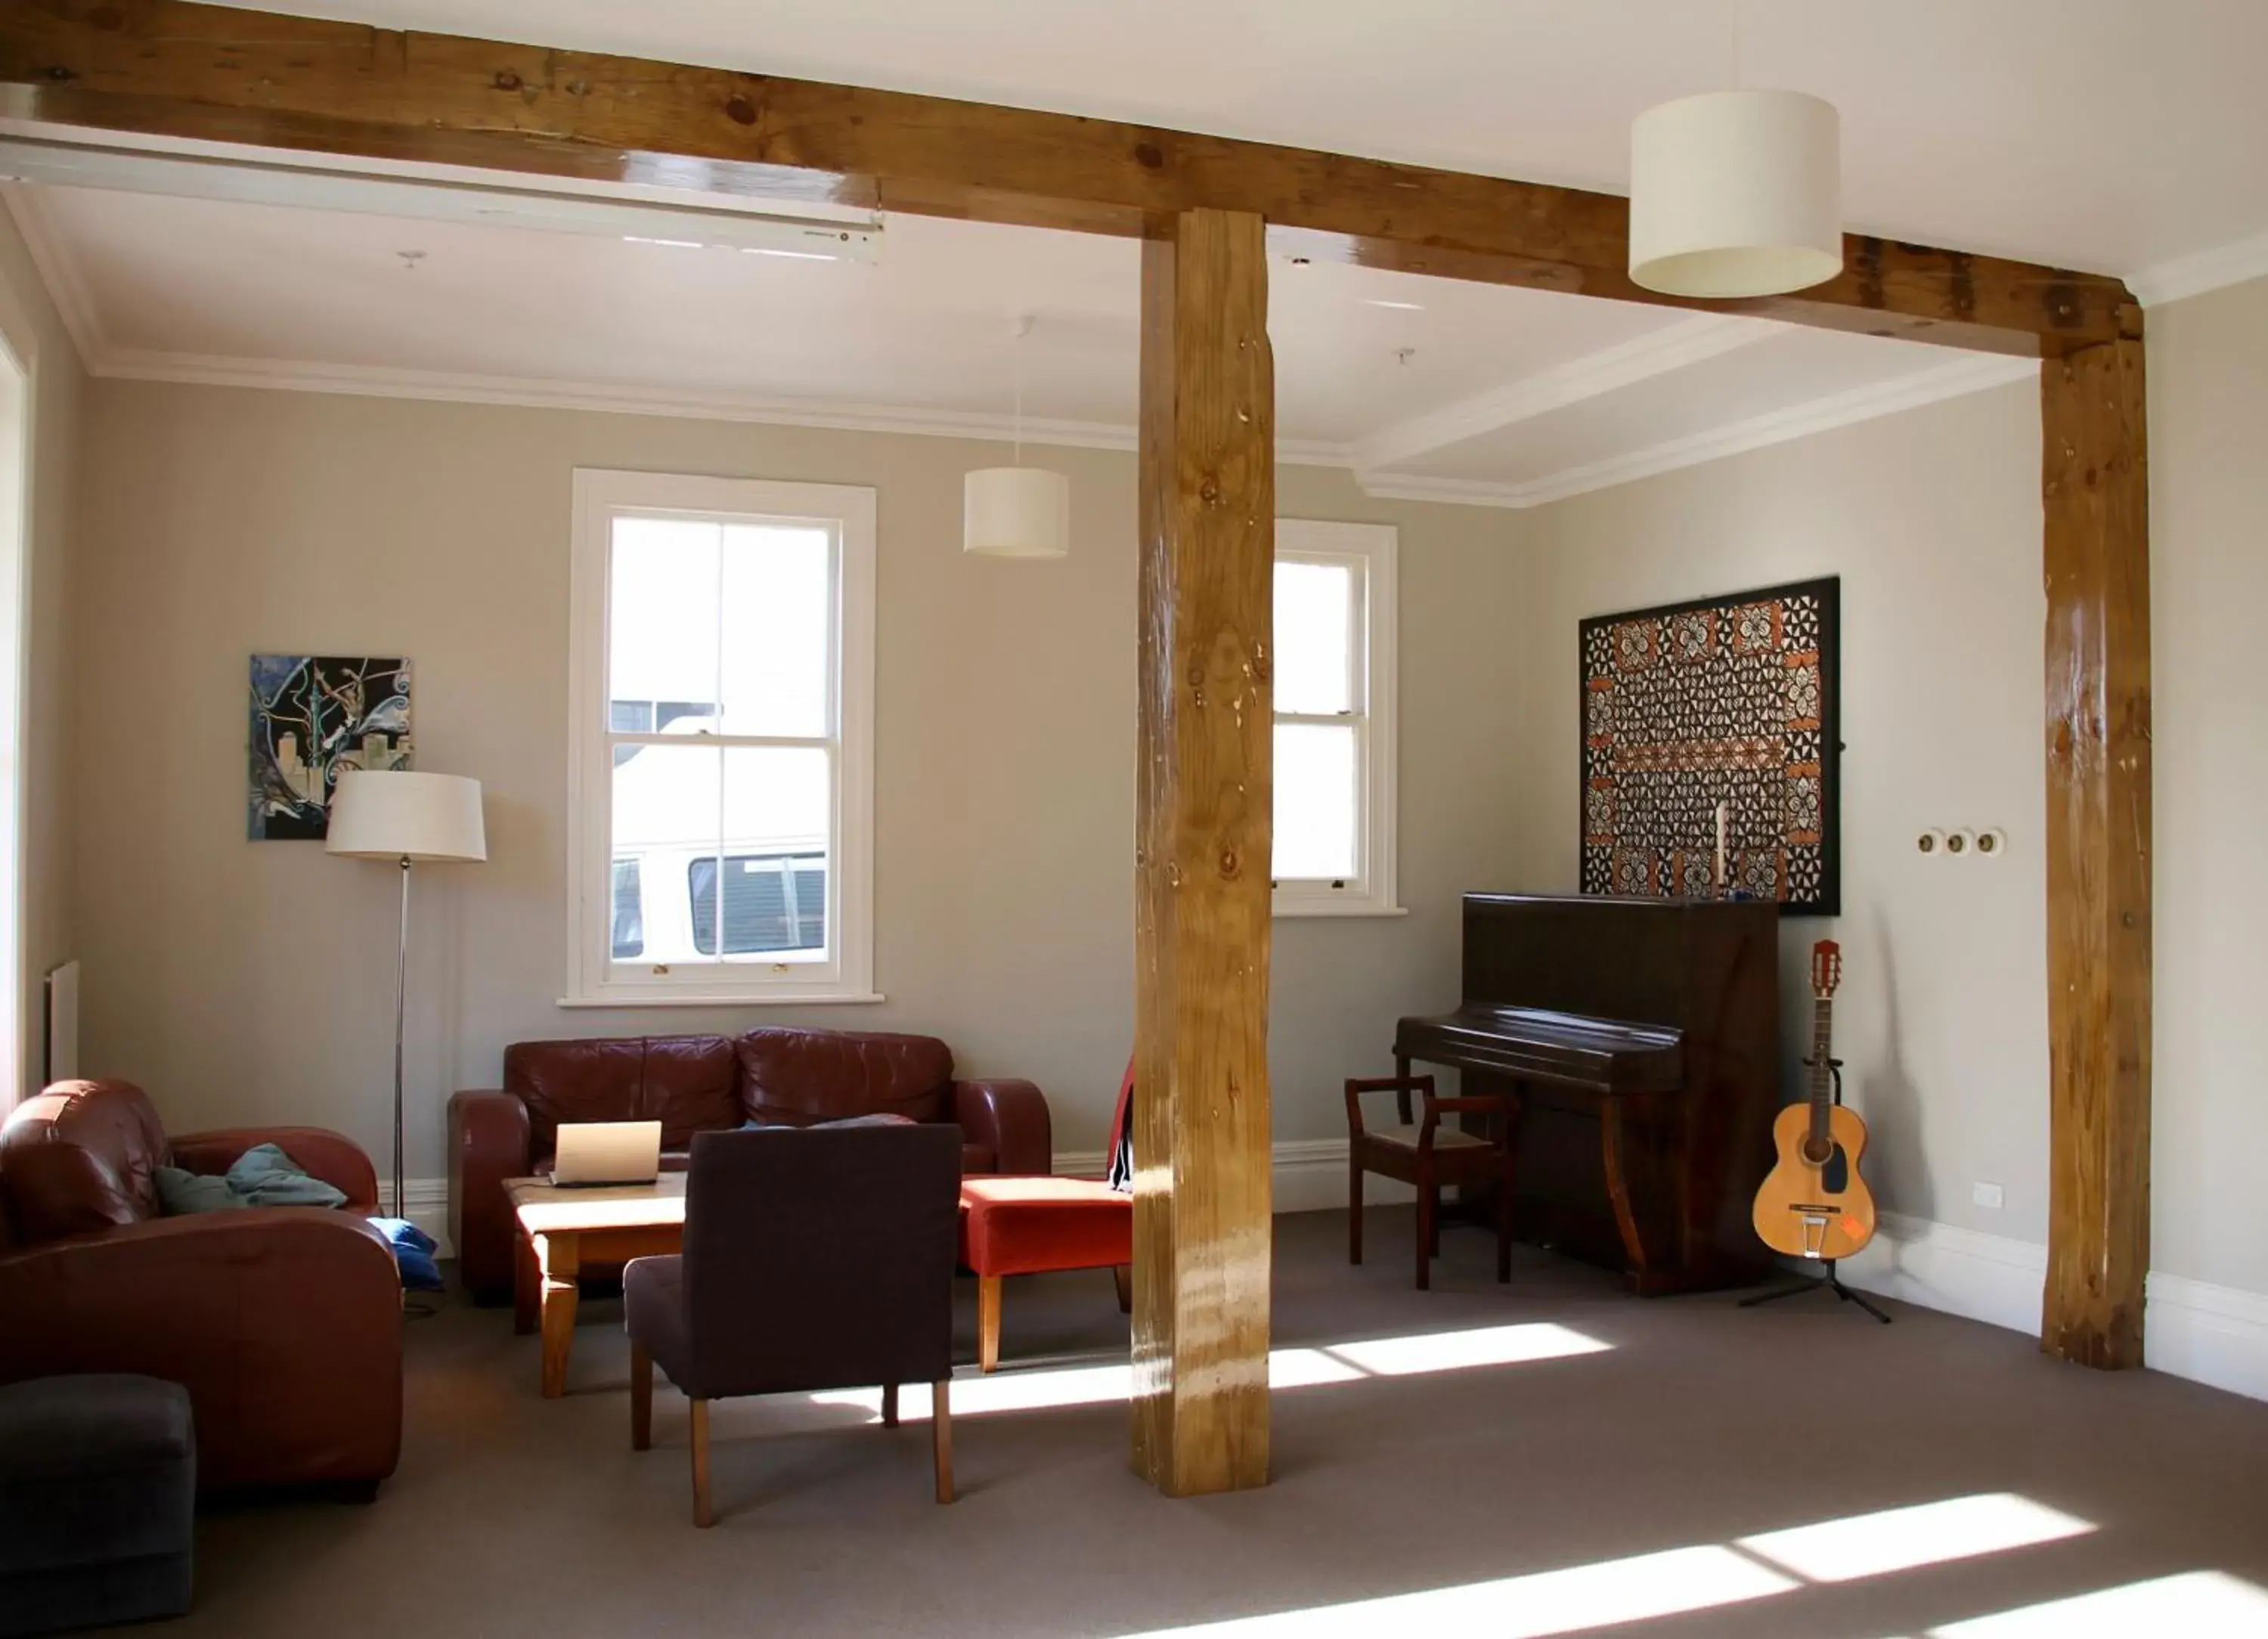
{"x": 742, "y": 998}
{"x": 1323, "y": 907}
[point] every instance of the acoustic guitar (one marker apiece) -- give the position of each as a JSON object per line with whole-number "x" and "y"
{"x": 1813, "y": 1204}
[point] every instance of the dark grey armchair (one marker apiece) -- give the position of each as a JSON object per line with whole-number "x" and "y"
{"x": 818, "y": 1259}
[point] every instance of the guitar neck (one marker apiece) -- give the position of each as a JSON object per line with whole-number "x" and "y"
{"x": 1822, "y": 1072}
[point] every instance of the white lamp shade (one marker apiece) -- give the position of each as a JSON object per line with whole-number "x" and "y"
{"x": 1016, "y": 512}
{"x": 1737, "y": 193}
{"x": 395, "y": 814}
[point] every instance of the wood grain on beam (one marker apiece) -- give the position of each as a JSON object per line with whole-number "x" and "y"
{"x": 1204, "y": 830}
{"x": 2098, "y": 730}
{"x": 162, "y": 67}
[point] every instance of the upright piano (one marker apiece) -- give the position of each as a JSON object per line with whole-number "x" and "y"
{"x": 1641, "y": 1040}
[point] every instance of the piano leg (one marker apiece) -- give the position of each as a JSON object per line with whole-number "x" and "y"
{"x": 1613, "y": 1146}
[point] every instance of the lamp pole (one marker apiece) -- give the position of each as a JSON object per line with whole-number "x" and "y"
{"x": 401, "y": 992}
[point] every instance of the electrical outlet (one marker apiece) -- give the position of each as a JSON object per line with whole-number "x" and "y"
{"x": 1987, "y": 1195}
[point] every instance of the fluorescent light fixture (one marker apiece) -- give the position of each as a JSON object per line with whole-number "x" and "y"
{"x": 1406, "y": 308}
{"x": 1906, "y": 1538}
{"x": 312, "y": 187}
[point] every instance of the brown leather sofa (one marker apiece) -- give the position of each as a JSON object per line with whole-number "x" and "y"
{"x": 706, "y": 1084}
{"x": 284, "y": 1323}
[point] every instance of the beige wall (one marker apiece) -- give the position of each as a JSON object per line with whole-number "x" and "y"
{"x": 246, "y": 981}
{"x": 1932, "y": 520}
{"x": 36, "y": 335}
{"x": 2208, "y": 361}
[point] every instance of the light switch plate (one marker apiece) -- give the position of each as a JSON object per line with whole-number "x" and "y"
{"x": 1987, "y": 1195}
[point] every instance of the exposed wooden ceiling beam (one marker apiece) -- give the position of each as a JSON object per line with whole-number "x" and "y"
{"x": 167, "y": 68}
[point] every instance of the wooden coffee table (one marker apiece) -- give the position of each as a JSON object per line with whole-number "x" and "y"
{"x": 561, "y": 1229}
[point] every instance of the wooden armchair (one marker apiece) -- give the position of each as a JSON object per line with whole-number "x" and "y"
{"x": 1428, "y": 1155}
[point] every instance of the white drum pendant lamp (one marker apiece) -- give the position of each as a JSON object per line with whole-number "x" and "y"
{"x": 1016, "y": 511}
{"x": 1736, "y": 192}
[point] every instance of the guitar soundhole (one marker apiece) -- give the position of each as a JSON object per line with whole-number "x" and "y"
{"x": 1818, "y": 1151}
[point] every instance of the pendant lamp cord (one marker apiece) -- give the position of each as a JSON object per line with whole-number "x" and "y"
{"x": 1023, "y": 329}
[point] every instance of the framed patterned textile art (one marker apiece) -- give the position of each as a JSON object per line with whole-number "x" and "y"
{"x": 1723, "y": 700}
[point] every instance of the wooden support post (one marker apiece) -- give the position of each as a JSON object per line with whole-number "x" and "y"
{"x": 2097, "y": 492}
{"x": 1204, "y": 832}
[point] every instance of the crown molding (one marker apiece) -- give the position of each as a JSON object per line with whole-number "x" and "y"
{"x": 1966, "y": 374}
{"x": 614, "y": 398}
{"x": 1691, "y": 340}
{"x": 59, "y": 271}
{"x": 1687, "y": 342}
{"x": 2201, "y": 271}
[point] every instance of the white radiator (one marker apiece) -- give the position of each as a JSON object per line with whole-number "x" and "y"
{"x": 62, "y": 1059}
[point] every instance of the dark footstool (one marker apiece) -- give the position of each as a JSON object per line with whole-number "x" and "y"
{"x": 97, "y": 1498}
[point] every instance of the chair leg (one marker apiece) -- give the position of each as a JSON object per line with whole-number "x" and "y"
{"x": 641, "y": 1397}
{"x": 1121, "y": 1276}
{"x": 1425, "y": 1236}
{"x": 701, "y": 1516}
{"x": 1354, "y": 1212}
{"x": 940, "y": 1420}
{"x": 987, "y": 1322}
{"x": 1435, "y": 1246}
{"x": 889, "y": 1405}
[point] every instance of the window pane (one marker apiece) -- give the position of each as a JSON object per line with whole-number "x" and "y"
{"x": 1314, "y": 801}
{"x": 661, "y": 621}
{"x": 664, "y": 813}
{"x": 770, "y": 903}
{"x": 773, "y": 888}
{"x": 779, "y": 610}
{"x": 1314, "y": 657}
{"x": 629, "y": 921}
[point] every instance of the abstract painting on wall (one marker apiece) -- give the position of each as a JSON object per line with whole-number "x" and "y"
{"x": 1723, "y": 704}
{"x": 313, "y": 717}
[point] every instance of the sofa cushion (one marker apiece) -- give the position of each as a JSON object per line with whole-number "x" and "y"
{"x": 799, "y": 1076}
{"x": 574, "y": 1081}
{"x": 82, "y": 1157}
{"x": 691, "y": 1085}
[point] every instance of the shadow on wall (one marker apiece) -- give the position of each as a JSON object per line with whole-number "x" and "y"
{"x": 1892, "y": 1105}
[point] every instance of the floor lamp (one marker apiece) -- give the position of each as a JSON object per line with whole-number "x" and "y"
{"x": 406, "y": 818}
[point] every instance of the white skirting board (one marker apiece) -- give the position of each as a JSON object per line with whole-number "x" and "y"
{"x": 2212, "y": 1334}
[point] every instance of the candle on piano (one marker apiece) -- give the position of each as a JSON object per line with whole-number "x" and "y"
{"x": 1724, "y": 814}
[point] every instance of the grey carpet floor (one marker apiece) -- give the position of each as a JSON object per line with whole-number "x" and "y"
{"x": 1621, "y": 1490}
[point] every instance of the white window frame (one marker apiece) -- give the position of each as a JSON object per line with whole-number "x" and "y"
{"x": 1372, "y": 550}
{"x": 594, "y": 978}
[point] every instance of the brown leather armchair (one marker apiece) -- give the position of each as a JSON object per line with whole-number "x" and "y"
{"x": 284, "y": 1323}
{"x": 711, "y": 1083}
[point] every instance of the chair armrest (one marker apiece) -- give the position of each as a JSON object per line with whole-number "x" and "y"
{"x": 1357, "y": 1085}
{"x": 1011, "y": 1116}
{"x": 335, "y": 1158}
{"x": 284, "y": 1323}
{"x": 489, "y": 1143}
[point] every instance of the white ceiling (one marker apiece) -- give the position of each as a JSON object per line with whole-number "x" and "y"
{"x": 2052, "y": 129}
{"x": 1422, "y": 386}
{"x": 2111, "y": 135}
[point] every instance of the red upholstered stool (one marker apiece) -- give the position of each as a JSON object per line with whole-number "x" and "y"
{"x": 1040, "y": 1226}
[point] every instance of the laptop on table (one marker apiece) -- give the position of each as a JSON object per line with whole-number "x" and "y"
{"x": 592, "y": 1153}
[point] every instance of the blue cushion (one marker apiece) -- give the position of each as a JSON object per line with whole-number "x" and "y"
{"x": 413, "y": 1252}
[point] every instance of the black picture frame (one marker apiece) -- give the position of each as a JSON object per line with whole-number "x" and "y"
{"x": 1594, "y": 873}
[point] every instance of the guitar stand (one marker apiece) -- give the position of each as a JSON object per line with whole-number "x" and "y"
{"x": 1802, "y": 1284}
